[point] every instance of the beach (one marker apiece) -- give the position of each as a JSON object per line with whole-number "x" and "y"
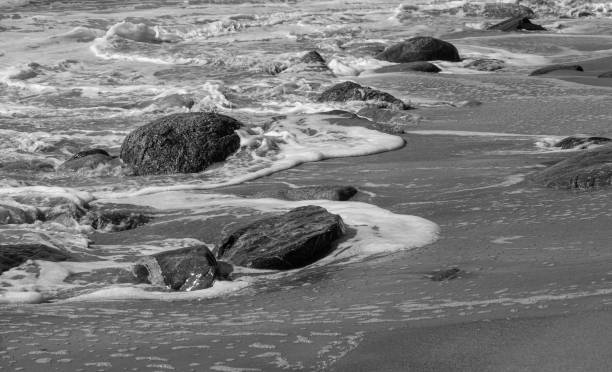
{"x": 449, "y": 184}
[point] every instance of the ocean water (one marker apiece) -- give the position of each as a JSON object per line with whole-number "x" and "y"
{"x": 82, "y": 74}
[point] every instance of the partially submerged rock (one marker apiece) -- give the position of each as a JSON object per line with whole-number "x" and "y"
{"x": 350, "y": 91}
{"x": 515, "y": 24}
{"x": 506, "y": 10}
{"x": 13, "y": 255}
{"x": 421, "y": 48}
{"x": 581, "y": 142}
{"x": 181, "y": 143}
{"x": 292, "y": 240}
{"x": 486, "y": 64}
{"x": 117, "y": 217}
{"x": 89, "y": 159}
{"x": 588, "y": 170}
{"x": 419, "y": 66}
{"x": 445, "y": 274}
{"x": 605, "y": 75}
{"x": 184, "y": 269}
{"x": 551, "y": 68}
{"x": 332, "y": 192}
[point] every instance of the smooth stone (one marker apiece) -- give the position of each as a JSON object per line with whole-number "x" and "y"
{"x": 181, "y": 143}
{"x": 288, "y": 241}
{"x": 486, "y": 64}
{"x": 587, "y": 170}
{"x": 551, "y": 68}
{"x": 88, "y": 159}
{"x": 419, "y": 66}
{"x": 338, "y": 193}
{"x": 515, "y": 24}
{"x": 350, "y": 91}
{"x": 421, "y": 48}
{"x": 14, "y": 255}
{"x": 605, "y": 75}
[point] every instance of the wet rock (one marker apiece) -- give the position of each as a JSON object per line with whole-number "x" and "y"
{"x": 605, "y": 75}
{"x": 181, "y": 143}
{"x": 184, "y": 269}
{"x": 551, "y": 68}
{"x": 587, "y": 170}
{"x": 419, "y": 66}
{"x": 350, "y": 91}
{"x": 339, "y": 193}
{"x": 14, "y": 213}
{"x": 506, "y": 10}
{"x": 310, "y": 62}
{"x": 515, "y": 24}
{"x": 580, "y": 142}
{"x": 445, "y": 274}
{"x": 486, "y": 64}
{"x": 88, "y": 159}
{"x": 117, "y": 217}
{"x": 13, "y": 255}
{"x": 313, "y": 57}
{"x": 420, "y": 48}
{"x": 292, "y": 240}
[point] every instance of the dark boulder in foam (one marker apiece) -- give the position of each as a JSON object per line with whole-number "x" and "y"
{"x": 515, "y": 24}
{"x": 551, "y": 68}
{"x": 184, "y": 269}
{"x": 580, "y": 142}
{"x": 486, "y": 64}
{"x": 332, "y": 192}
{"x": 181, "y": 143}
{"x": 89, "y": 159}
{"x": 419, "y": 66}
{"x": 13, "y": 255}
{"x": 350, "y": 91}
{"x": 117, "y": 217}
{"x": 421, "y": 48}
{"x": 588, "y": 170}
{"x": 292, "y": 240}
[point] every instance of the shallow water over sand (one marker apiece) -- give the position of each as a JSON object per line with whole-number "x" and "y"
{"x": 524, "y": 251}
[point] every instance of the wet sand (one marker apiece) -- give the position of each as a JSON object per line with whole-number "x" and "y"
{"x": 534, "y": 292}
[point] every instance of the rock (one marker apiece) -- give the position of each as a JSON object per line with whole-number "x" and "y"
{"x": 551, "y": 68}
{"x": 506, "y": 10}
{"x": 349, "y": 91}
{"x": 581, "y": 142}
{"x": 605, "y": 75}
{"x": 420, "y": 48}
{"x": 14, "y": 255}
{"x": 116, "y": 217}
{"x": 486, "y": 64}
{"x": 312, "y": 57}
{"x": 516, "y": 23}
{"x": 181, "y": 143}
{"x": 419, "y": 66}
{"x": 185, "y": 269}
{"x": 446, "y": 274}
{"x": 587, "y": 170}
{"x": 340, "y": 193}
{"x": 292, "y": 240}
{"x": 12, "y": 213}
{"x": 88, "y": 159}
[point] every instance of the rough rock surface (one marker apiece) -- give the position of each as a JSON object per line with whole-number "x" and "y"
{"x": 515, "y": 24}
{"x": 581, "y": 142}
{"x": 588, "y": 170}
{"x": 292, "y": 240}
{"x": 506, "y": 10}
{"x": 350, "y": 91}
{"x": 551, "y": 68}
{"x": 487, "y": 64}
{"x": 117, "y": 217}
{"x": 419, "y": 66}
{"x": 181, "y": 143}
{"x": 14, "y": 255}
{"x": 420, "y": 48}
{"x": 184, "y": 269}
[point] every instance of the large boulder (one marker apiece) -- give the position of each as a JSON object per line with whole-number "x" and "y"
{"x": 350, "y": 91}
{"x": 551, "y": 68}
{"x": 580, "y": 142}
{"x": 515, "y": 24}
{"x": 421, "y": 48}
{"x": 181, "y": 143}
{"x": 588, "y": 170}
{"x": 14, "y": 255}
{"x": 184, "y": 269}
{"x": 292, "y": 240}
{"x": 88, "y": 159}
{"x": 419, "y": 66}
